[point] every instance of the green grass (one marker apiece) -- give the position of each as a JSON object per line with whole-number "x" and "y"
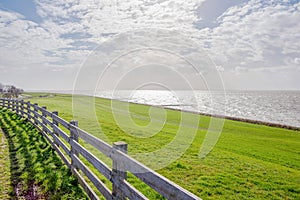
{"x": 5, "y": 186}
{"x": 30, "y": 168}
{"x": 248, "y": 162}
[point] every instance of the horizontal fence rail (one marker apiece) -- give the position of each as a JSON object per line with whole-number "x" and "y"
{"x": 71, "y": 152}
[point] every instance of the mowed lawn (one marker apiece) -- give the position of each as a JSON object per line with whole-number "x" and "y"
{"x": 248, "y": 162}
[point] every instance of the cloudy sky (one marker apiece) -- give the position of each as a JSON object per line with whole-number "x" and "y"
{"x": 45, "y": 44}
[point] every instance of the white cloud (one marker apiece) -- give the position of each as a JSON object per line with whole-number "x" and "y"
{"x": 258, "y": 32}
{"x": 24, "y": 42}
{"x": 219, "y": 68}
{"x": 254, "y": 35}
{"x": 97, "y": 17}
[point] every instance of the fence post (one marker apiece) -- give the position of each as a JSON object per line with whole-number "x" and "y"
{"x": 118, "y": 171}
{"x": 13, "y": 105}
{"x": 73, "y": 136}
{"x": 28, "y": 110}
{"x": 17, "y": 107}
{"x": 35, "y": 115}
{"x": 44, "y": 115}
{"x": 55, "y": 123}
{"x": 22, "y": 108}
{"x": 10, "y": 104}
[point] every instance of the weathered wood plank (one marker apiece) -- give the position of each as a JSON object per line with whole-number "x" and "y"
{"x": 92, "y": 177}
{"x": 61, "y": 121}
{"x": 47, "y": 121}
{"x": 92, "y": 195}
{"x": 38, "y": 122}
{"x": 29, "y": 111}
{"x": 98, "y": 164}
{"x": 47, "y": 130}
{"x": 74, "y": 138}
{"x": 43, "y": 117}
{"x": 118, "y": 172}
{"x": 46, "y": 112}
{"x": 64, "y": 158}
{"x": 156, "y": 181}
{"x": 130, "y": 191}
{"x": 54, "y": 123}
{"x": 22, "y": 108}
{"x": 45, "y": 135}
{"x": 35, "y": 113}
{"x": 58, "y": 151}
{"x": 61, "y": 144}
{"x": 61, "y": 133}
{"x": 102, "y": 146}
{"x": 43, "y": 109}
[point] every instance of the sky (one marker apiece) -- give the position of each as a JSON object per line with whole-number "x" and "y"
{"x": 150, "y": 44}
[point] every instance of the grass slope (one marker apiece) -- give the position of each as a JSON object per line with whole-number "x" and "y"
{"x": 36, "y": 172}
{"x": 249, "y": 161}
{"x": 5, "y": 186}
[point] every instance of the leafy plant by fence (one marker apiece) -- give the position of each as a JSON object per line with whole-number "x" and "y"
{"x": 69, "y": 149}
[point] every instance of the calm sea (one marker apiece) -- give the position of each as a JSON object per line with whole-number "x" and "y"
{"x": 282, "y": 107}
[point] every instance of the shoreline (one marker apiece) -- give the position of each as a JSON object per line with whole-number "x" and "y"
{"x": 258, "y": 122}
{"x": 251, "y": 121}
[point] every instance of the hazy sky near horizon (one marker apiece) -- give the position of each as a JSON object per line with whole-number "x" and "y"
{"x": 252, "y": 44}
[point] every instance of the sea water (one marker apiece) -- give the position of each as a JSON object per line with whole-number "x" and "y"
{"x": 282, "y": 107}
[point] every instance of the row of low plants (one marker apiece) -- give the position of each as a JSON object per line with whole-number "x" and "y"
{"x": 36, "y": 171}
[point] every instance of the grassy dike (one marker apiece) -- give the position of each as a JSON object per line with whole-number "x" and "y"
{"x": 5, "y": 186}
{"x": 249, "y": 161}
{"x": 30, "y": 169}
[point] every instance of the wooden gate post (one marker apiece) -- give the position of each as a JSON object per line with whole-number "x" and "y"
{"x": 118, "y": 171}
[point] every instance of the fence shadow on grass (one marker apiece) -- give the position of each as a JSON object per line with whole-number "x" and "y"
{"x": 36, "y": 170}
